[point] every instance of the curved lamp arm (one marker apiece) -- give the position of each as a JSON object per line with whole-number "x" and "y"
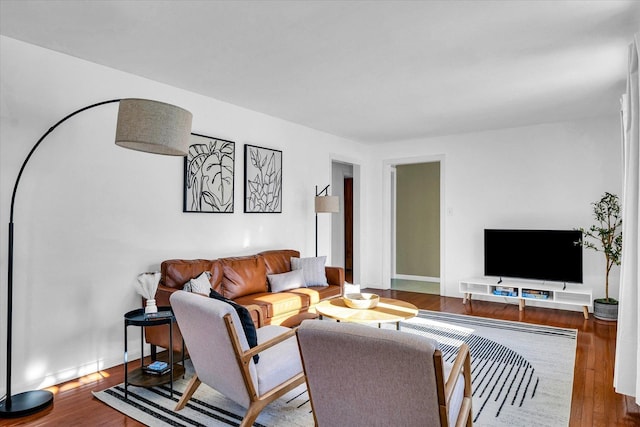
{"x": 145, "y": 125}
{"x": 37, "y": 144}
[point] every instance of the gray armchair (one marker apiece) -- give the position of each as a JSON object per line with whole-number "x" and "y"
{"x": 223, "y": 360}
{"x": 379, "y": 377}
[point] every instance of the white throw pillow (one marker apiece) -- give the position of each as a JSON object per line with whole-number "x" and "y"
{"x": 313, "y": 270}
{"x": 199, "y": 285}
{"x": 284, "y": 281}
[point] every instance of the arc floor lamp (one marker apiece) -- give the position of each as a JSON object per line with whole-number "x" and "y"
{"x": 325, "y": 204}
{"x": 143, "y": 125}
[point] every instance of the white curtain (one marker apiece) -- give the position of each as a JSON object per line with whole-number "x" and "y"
{"x": 626, "y": 378}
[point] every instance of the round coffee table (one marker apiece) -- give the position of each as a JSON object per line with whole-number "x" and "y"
{"x": 388, "y": 310}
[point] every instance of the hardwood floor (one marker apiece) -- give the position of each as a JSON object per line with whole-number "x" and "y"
{"x": 594, "y": 402}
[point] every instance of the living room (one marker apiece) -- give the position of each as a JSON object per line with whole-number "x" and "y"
{"x": 90, "y": 216}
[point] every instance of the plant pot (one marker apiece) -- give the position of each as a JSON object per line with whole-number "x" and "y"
{"x": 605, "y": 311}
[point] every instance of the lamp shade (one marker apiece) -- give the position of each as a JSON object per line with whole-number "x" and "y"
{"x": 153, "y": 127}
{"x": 327, "y": 204}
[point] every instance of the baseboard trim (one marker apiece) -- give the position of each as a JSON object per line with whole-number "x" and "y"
{"x": 417, "y": 278}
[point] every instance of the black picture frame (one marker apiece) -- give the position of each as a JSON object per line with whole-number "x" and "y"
{"x": 209, "y": 169}
{"x": 262, "y": 180}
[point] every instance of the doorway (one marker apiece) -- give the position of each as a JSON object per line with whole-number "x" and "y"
{"x": 345, "y": 225}
{"x": 348, "y": 229}
{"x": 416, "y": 227}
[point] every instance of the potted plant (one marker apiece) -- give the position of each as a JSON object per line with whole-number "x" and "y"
{"x": 605, "y": 236}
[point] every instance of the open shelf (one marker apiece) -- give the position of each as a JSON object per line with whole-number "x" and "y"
{"x": 140, "y": 378}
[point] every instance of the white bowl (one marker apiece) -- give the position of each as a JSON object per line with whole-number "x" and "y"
{"x": 361, "y": 301}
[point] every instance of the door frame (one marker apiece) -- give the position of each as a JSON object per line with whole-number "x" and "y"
{"x": 389, "y": 215}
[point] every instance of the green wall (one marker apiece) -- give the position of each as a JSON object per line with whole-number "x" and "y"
{"x": 418, "y": 219}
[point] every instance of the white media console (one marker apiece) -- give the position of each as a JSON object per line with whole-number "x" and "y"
{"x": 570, "y": 294}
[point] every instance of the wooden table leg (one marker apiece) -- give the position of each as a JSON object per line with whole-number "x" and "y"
{"x": 585, "y": 311}
{"x": 521, "y": 304}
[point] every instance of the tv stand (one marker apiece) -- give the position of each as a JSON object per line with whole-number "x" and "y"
{"x": 559, "y": 293}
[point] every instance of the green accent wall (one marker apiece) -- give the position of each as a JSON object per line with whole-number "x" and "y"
{"x": 418, "y": 219}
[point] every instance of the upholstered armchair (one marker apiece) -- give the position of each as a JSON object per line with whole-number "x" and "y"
{"x": 380, "y": 377}
{"x": 223, "y": 360}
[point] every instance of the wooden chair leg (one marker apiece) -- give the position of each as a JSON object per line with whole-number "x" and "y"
{"x": 252, "y": 413}
{"x": 193, "y": 385}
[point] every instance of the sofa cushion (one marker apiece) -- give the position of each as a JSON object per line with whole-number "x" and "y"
{"x": 177, "y": 272}
{"x": 285, "y": 281}
{"x": 274, "y": 305}
{"x": 313, "y": 269}
{"x": 279, "y": 260}
{"x": 245, "y": 319}
{"x": 243, "y": 276}
{"x": 318, "y": 293}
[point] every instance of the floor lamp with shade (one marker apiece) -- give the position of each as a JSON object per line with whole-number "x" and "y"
{"x": 142, "y": 125}
{"x": 325, "y": 204}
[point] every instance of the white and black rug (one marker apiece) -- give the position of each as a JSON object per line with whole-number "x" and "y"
{"x": 522, "y": 375}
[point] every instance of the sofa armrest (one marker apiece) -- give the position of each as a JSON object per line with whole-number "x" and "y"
{"x": 162, "y": 295}
{"x": 335, "y": 276}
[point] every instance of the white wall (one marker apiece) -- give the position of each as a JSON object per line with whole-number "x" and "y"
{"x": 90, "y": 216}
{"x": 541, "y": 176}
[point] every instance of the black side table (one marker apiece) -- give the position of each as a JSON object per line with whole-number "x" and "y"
{"x": 139, "y": 377}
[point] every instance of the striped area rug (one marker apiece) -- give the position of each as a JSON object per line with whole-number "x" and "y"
{"x": 522, "y": 375}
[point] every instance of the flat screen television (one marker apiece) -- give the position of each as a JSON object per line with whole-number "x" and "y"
{"x": 549, "y": 255}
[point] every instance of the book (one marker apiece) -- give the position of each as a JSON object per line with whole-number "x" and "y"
{"x": 158, "y": 315}
{"x": 159, "y": 373}
{"x": 536, "y": 291}
{"x": 535, "y": 296}
{"x": 157, "y": 368}
{"x": 513, "y": 293}
{"x": 506, "y": 289}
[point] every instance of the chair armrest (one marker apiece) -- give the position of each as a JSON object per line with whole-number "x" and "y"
{"x": 247, "y": 355}
{"x": 461, "y": 365}
{"x": 244, "y": 357}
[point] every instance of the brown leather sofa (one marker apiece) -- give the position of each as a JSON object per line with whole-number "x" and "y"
{"x": 244, "y": 280}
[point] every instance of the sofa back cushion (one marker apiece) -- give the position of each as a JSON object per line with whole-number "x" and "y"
{"x": 243, "y": 276}
{"x": 176, "y": 272}
{"x": 278, "y": 261}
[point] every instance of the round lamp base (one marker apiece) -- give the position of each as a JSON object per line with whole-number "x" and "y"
{"x": 26, "y": 403}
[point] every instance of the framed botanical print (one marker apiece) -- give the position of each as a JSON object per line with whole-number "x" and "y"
{"x": 209, "y": 175}
{"x": 262, "y": 180}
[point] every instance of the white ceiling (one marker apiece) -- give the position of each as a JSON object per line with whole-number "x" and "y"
{"x": 370, "y": 71}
